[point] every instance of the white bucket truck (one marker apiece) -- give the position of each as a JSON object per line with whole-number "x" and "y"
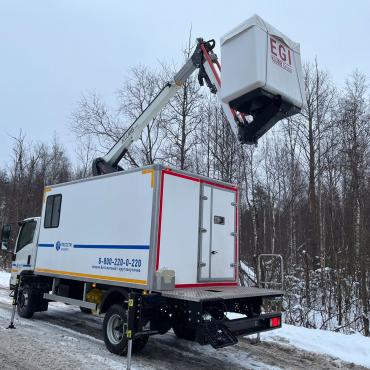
{"x": 156, "y": 248}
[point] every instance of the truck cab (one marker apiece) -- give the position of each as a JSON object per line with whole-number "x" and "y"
{"x": 25, "y": 248}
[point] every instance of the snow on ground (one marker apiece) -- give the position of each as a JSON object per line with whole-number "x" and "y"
{"x": 63, "y": 337}
{"x": 249, "y": 274}
{"x": 4, "y": 279}
{"x": 42, "y": 345}
{"x": 351, "y": 348}
{"x": 53, "y": 340}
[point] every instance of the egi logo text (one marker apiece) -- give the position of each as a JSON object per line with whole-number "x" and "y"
{"x": 62, "y": 246}
{"x": 281, "y": 54}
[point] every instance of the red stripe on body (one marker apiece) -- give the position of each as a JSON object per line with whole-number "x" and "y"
{"x": 160, "y": 221}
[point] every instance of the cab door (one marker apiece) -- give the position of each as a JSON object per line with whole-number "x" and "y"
{"x": 25, "y": 248}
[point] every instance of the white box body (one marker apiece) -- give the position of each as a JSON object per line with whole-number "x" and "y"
{"x": 122, "y": 228}
{"x": 99, "y": 220}
{"x": 256, "y": 55}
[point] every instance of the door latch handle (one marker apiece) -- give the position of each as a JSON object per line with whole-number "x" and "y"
{"x": 214, "y": 252}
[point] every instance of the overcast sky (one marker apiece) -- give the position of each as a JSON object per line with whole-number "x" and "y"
{"x": 53, "y": 51}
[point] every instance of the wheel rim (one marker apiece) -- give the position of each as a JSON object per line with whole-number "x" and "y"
{"x": 115, "y": 329}
{"x": 23, "y": 299}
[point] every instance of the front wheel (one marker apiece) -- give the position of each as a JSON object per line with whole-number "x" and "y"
{"x": 25, "y": 304}
{"x": 114, "y": 327}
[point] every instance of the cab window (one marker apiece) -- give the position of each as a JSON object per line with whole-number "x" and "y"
{"x": 26, "y": 234}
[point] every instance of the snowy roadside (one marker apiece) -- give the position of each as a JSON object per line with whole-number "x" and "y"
{"x": 63, "y": 337}
{"x": 4, "y": 279}
{"x": 351, "y": 348}
{"x": 45, "y": 346}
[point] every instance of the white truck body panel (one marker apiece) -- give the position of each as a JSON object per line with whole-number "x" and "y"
{"x": 256, "y": 55}
{"x": 104, "y": 230}
{"x": 121, "y": 228}
{"x": 180, "y": 228}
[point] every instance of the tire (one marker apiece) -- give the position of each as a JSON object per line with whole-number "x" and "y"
{"x": 26, "y": 304}
{"x": 114, "y": 337}
{"x": 85, "y": 310}
{"x": 184, "y": 332}
{"x": 139, "y": 343}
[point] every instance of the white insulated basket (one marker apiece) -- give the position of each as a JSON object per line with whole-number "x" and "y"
{"x": 129, "y": 227}
{"x": 256, "y": 55}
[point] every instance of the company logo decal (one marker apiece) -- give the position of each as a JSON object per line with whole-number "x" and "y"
{"x": 281, "y": 54}
{"x": 63, "y": 246}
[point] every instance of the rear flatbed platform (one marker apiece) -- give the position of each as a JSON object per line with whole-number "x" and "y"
{"x": 216, "y": 293}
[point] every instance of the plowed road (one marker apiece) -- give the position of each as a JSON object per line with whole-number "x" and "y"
{"x": 65, "y": 338}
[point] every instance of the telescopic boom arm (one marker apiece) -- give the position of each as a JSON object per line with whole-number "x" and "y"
{"x": 209, "y": 68}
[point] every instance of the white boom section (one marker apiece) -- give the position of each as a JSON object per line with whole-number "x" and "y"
{"x": 134, "y": 131}
{"x": 203, "y": 59}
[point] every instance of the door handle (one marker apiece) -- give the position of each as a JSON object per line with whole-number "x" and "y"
{"x": 214, "y": 252}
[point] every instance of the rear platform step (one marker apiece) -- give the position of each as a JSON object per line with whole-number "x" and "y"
{"x": 216, "y": 334}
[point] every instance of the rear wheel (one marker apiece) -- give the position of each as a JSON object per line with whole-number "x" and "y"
{"x": 184, "y": 332}
{"x": 114, "y": 326}
{"x": 25, "y": 304}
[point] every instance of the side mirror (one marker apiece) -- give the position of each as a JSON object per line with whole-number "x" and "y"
{"x": 5, "y": 236}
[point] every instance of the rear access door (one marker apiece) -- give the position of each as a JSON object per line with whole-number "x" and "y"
{"x": 217, "y": 234}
